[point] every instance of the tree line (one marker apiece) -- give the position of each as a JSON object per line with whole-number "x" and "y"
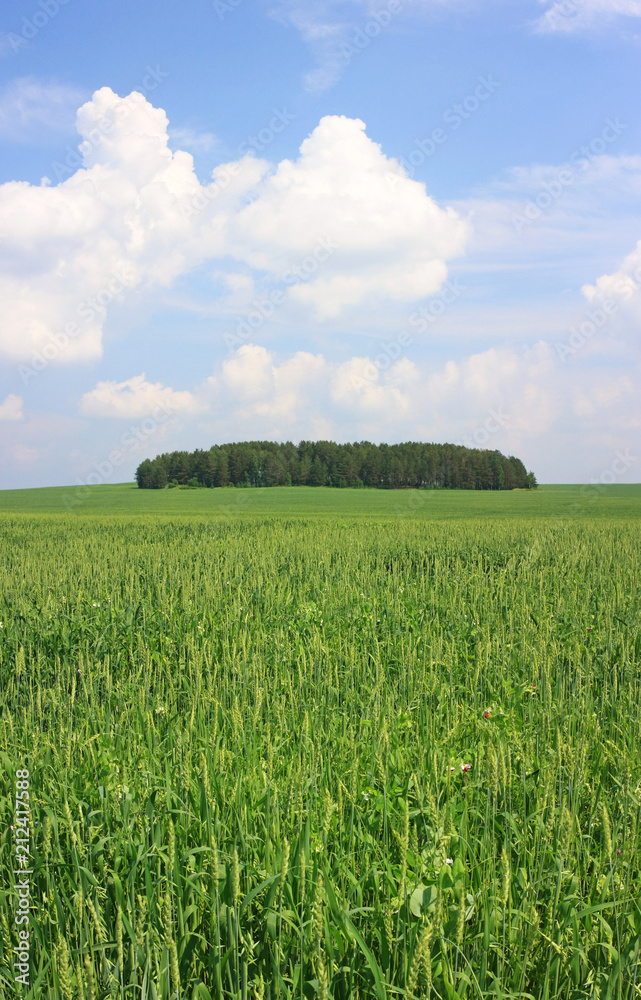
{"x": 412, "y": 465}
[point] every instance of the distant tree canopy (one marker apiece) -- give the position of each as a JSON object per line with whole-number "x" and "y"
{"x": 323, "y": 463}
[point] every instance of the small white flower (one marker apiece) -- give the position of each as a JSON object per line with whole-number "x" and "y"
{"x": 449, "y": 861}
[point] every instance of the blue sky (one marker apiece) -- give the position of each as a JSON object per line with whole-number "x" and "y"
{"x": 395, "y": 221}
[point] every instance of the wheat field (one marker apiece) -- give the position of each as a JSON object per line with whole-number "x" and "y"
{"x": 299, "y": 757}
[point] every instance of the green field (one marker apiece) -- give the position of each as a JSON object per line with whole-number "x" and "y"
{"x": 305, "y": 742}
{"x": 125, "y": 498}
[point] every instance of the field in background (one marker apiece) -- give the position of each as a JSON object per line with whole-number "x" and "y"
{"x": 572, "y": 502}
{"x": 327, "y": 743}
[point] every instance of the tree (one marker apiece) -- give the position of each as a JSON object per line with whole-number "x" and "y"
{"x": 412, "y": 464}
{"x": 317, "y": 473}
{"x": 159, "y": 477}
{"x": 145, "y": 475}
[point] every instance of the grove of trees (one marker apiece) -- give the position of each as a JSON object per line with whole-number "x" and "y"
{"x": 412, "y": 465}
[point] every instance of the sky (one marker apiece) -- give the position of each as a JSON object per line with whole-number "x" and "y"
{"x": 395, "y": 220}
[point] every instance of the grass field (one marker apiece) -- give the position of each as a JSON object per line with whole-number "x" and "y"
{"x": 308, "y": 742}
{"x": 568, "y": 502}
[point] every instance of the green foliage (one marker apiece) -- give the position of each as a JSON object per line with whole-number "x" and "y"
{"x": 324, "y": 463}
{"x": 346, "y": 756}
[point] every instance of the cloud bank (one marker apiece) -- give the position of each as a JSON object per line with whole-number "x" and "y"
{"x": 514, "y": 399}
{"x": 128, "y": 213}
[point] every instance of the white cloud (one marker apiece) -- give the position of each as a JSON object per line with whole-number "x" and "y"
{"x": 124, "y": 219}
{"x": 621, "y": 287}
{"x": 253, "y": 385}
{"x": 136, "y": 398}
{"x": 358, "y": 386}
{"x": 376, "y": 233}
{"x": 11, "y": 408}
{"x": 28, "y": 106}
{"x": 134, "y": 215}
{"x": 519, "y": 400}
{"x": 575, "y": 15}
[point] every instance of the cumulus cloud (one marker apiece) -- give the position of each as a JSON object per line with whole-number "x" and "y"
{"x": 253, "y": 384}
{"x": 135, "y": 398}
{"x": 575, "y": 15}
{"x": 376, "y": 234}
{"x": 11, "y": 408}
{"x": 621, "y": 287}
{"x": 523, "y": 394}
{"x": 127, "y": 212}
{"x": 69, "y": 250}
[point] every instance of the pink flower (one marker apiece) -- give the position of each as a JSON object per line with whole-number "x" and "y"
{"x": 465, "y": 768}
{"x": 486, "y": 714}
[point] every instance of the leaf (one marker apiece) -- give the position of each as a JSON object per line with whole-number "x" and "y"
{"x": 200, "y": 990}
{"x": 371, "y": 961}
{"x": 272, "y": 924}
{"x": 258, "y": 888}
{"x": 423, "y": 897}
